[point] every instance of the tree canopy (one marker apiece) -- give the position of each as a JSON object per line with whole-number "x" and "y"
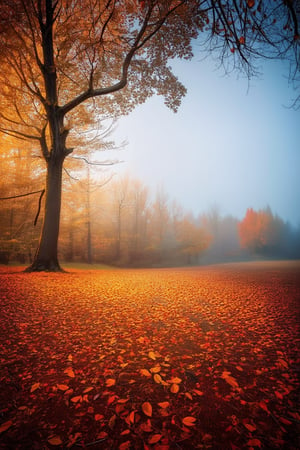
{"x": 65, "y": 63}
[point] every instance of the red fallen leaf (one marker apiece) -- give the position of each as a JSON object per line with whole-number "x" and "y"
{"x": 249, "y": 426}
{"x": 278, "y": 395}
{"x": 70, "y": 372}
{"x": 125, "y": 445}
{"x": 154, "y": 439}
{"x": 285, "y": 421}
{"x": 34, "y": 387}
{"x": 123, "y": 400}
{"x": 164, "y": 404}
{"x": 62, "y": 387}
{"x": 102, "y": 435}
{"x": 5, "y": 426}
{"x": 147, "y": 409}
{"x": 112, "y": 422}
{"x": 146, "y": 426}
{"x": 254, "y": 443}
{"x": 264, "y": 406}
{"x": 88, "y": 389}
{"x": 125, "y": 432}
{"x": 76, "y": 399}
{"x": 200, "y": 393}
{"x": 98, "y": 417}
{"x": 110, "y": 382}
{"x": 189, "y": 421}
{"x": 54, "y": 440}
{"x": 73, "y": 439}
{"x": 111, "y": 399}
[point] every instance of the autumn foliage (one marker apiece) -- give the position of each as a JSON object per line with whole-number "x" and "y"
{"x": 150, "y": 359}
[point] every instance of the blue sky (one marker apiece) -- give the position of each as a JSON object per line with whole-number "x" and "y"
{"x": 233, "y": 144}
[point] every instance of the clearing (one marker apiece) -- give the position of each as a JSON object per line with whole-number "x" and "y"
{"x": 160, "y": 359}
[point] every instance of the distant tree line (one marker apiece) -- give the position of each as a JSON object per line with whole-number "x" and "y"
{"x": 118, "y": 221}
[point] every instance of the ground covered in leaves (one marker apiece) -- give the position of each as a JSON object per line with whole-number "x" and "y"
{"x": 151, "y": 359}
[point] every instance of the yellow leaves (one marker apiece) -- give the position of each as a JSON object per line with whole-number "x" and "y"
{"x": 5, "y": 426}
{"x": 157, "y": 378}
{"x": 70, "y": 372}
{"x": 155, "y": 369}
{"x": 145, "y": 373}
{"x": 34, "y": 387}
{"x": 152, "y": 355}
{"x": 175, "y": 380}
{"x": 54, "y": 440}
{"x": 147, "y": 409}
{"x": 174, "y": 388}
{"x": 189, "y": 421}
{"x": 110, "y": 382}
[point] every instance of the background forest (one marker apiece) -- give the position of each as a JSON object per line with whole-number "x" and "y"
{"x": 116, "y": 219}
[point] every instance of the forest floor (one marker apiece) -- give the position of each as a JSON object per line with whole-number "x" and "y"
{"x": 159, "y": 359}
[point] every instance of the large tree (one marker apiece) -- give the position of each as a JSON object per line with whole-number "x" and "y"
{"x": 64, "y": 61}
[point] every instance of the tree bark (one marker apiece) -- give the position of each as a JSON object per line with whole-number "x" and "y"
{"x": 46, "y": 258}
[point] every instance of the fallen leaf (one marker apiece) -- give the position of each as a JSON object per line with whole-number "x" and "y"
{"x": 164, "y": 404}
{"x": 155, "y": 369}
{"x": 70, "y": 372}
{"x": 98, "y": 417}
{"x": 189, "y": 421}
{"x": 110, "y": 382}
{"x": 229, "y": 379}
{"x": 5, "y": 426}
{"x": 76, "y": 399}
{"x": 112, "y": 422}
{"x": 145, "y": 372}
{"x": 174, "y": 388}
{"x": 125, "y": 445}
{"x": 254, "y": 443}
{"x": 175, "y": 380}
{"x": 154, "y": 439}
{"x": 147, "y": 409}
{"x": 34, "y": 387}
{"x": 88, "y": 389}
{"x": 62, "y": 387}
{"x": 54, "y": 440}
{"x": 152, "y": 355}
{"x": 157, "y": 378}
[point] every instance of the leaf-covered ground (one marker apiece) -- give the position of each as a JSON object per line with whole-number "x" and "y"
{"x": 151, "y": 359}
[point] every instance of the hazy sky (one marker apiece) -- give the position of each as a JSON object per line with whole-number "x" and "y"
{"x": 232, "y": 144}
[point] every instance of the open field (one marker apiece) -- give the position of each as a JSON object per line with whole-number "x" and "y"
{"x": 158, "y": 359}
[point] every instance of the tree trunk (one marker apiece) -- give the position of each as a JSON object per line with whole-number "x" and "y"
{"x": 46, "y": 258}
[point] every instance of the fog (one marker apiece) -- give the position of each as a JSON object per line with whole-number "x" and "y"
{"x": 234, "y": 143}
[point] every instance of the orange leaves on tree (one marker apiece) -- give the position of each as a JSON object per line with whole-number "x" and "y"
{"x": 250, "y": 3}
{"x": 147, "y": 409}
